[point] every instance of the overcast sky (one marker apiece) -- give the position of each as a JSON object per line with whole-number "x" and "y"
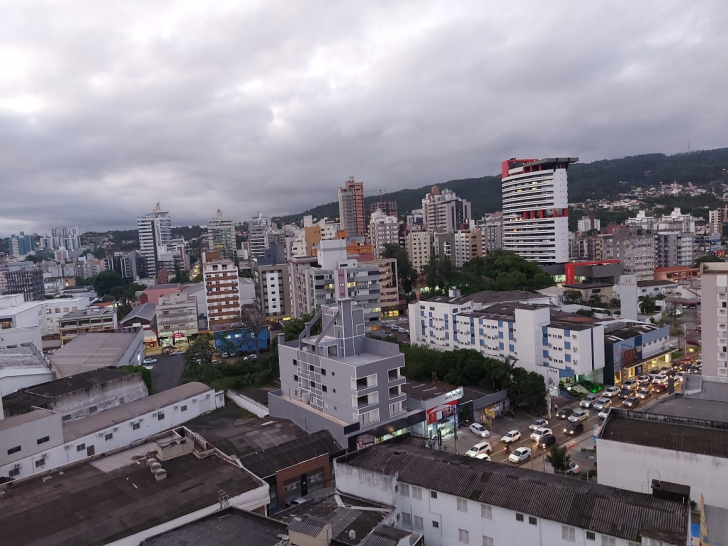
{"x": 107, "y": 107}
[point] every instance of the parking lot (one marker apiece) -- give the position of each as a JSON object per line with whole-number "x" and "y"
{"x": 167, "y": 372}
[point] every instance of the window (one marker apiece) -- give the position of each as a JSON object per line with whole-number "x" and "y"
{"x": 39, "y": 463}
{"x": 14, "y": 472}
{"x": 183, "y": 408}
{"x": 608, "y": 541}
{"x": 109, "y": 436}
{"x": 519, "y": 517}
{"x": 463, "y": 536}
{"x": 93, "y": 409}
{"x": 13, "y": 450}
{"x": 405, "y": 492}
{"x": 569, "y": 533}
{"x": 487, "y": 541}
{"x": 135, "y": 426}
{"x": 419, "y": 524}
{"x": 433, "y": 494}
{"x": 323, "y": 371}
{"x": 43, "y": 440}
{"x": 310, "y": 368}
{"x": 590, "y": 535}
{"x": 295, "y": 362}
{"x": 435, "y": 524}
{"x": 295, "y": 378}
{"x": 462, "y": 505}
{"x": 160, "y": 416}
{"x": 416, "y": 492}
{"x": 406, "y": 519}
{"x": 532, "y": 520}
{"x": 323, "y": 388}
{"x": 486, "y": 511}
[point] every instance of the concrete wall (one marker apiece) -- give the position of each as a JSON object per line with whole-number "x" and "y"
{"x": 633, "y": 467}
{"x": 121, "y": 434}
{"x": 13, "y": 379}
{"x": 372, "y": 486}
{"x": 248, "y": 404}
{"x": 12, "y": 337}
{"x": 308, "y": 420}
{"x": 135, "y": 353}
{"x": 75, "y": 405}
{"x": 26, "y": 436}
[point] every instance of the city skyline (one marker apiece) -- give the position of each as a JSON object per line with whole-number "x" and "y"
{"x": 198, "y": 108}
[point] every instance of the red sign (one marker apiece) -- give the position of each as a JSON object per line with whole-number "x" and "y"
{"x": 178, "y": 335}
{"x": 440, "y": 412}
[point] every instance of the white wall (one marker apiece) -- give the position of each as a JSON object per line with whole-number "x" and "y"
{"x": 13, "y": 337}
{"x": 248, "y": 404}
{"x": 122, "y": 434}
{"x": 13, "y": 379}
{"x": 704, "y": 474}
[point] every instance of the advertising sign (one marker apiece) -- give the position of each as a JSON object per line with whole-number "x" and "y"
{"x": 440, "y": 412}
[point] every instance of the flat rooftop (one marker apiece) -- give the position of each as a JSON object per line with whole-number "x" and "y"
{"x": 426, "y": 390}
{"x": 673, "y": 433}
{"x": 98, "y": 503}
{"x": 559, "y": 319}
{"x": 92, "y": 350}
{"x": 44, "y": 393}
{"x": 16, "y": 309}
{"x": 225, "y": 528}
{"x": 25, "y": 356}
{"x": 78, "y": 428}
{"x": 678, "y": 405}
{"x": 565, "y": 500}
{"x": 163, "y": 286}
{"x": 646, "y": 284}
{"x": 629, "y": 331}
{"x": 25, "y": 418}
{"x": 264, "y": 445}
{"x": 487, "y": 297}
{"x": 90, "y": 312}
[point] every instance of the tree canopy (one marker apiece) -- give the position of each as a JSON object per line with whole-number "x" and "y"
{"x": 111, "y": 283}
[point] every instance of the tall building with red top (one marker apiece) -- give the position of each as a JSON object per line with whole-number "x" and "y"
{"x": 535, "y": 208}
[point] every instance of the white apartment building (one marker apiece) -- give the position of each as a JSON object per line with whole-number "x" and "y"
{"x": 418, "y": 245}
{"x": 714, "y": 319}
{"x": 587, "y": 223}
{"x": 20, "y": 321}
{"x": 535, "y": 208}
{"x": 39, "y": 441}
{"x": 222, "y": 291}
{"x": 455, "y": 500}
{"x": 221, "y": 235}
{"x": 516, "y": 325}
{"x": 445, "y": 212}
{"x": 55, "y": 309}
{"x": 634, "y": 247}
{"x": 383, "y": 230}
{"x": 155, "y": 234}
{"x": 177, "y": 314}
{"x": 258, "y": 229}
{"x": 676, "y": 221}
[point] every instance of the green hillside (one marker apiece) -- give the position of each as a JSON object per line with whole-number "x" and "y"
{"x": 599, "y": 179}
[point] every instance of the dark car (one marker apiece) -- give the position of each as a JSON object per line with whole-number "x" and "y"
{"x": 564, "y": 413}
{"x": 632, "y": 402}
{"x": 625, "y": 393}
{"x": 659, "y": 388}
{"x": 547, "y": 440}
{"x": 574, "y": 427}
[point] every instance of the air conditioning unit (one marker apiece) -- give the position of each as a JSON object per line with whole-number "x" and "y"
{"x": 16, "y": 466}
{"x": 194, "y": 400}
{"x": 67, "y": 446}
{"x": 176, "y": 406}
{"x": 116, "y": 429}
{"x": 100, "y": 435}
{"x": 154, "y": 414}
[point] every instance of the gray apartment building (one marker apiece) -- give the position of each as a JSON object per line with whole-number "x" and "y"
{"x": 341, "y": 380}
{"x": 177, "y": 316}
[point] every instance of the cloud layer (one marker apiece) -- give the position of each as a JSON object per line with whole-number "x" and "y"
{"x": 108, "y": 107}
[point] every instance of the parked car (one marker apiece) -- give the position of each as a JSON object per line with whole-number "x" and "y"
{"x": 611, "y": 392}
{"x": 579, "y": 415}
{"x": 625, "y": 393}
{"x": 483, "y": 457}
{"x": 149, "y": 360}
{"x": 602, "y": 403}
{"x": 538, "y": 423}
{"x": 643, "y": 393}
{"x": 632, "y": 384}
{"x": 588, "y": 401}
{"x": 659, "y": 388}
{"x": 519, "y": 455}
{"x": 547, "y": 440}
{"x": 573, "y": 468}
{"x": 477, "y": 449}
{"x": 403, "y": 331}
{"x": 537, "y": 434}
{"x": 564, "y": 413}
{"x": 510, "y": 437}
{"x": 644, "y": 380}
{"x": 632, "y": 402}
{"x": 573, "y": 428}
{"x": 479, "y": 430}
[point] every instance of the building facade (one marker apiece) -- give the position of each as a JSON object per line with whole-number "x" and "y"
{"x": 177, "y": 316}
{"x": 418, "y": 245}
{"x": 351, "y": 208}
{"x": 155, "y": 234}
{"x": 28, "y": 281}
{"x": 634, "y": 247}
{"x": 221, "y": 236}
{"x": 21, "y": 245}
{"x": 535, "y": 208}
{"x": 383, "y": 230}
{"x": 714, "y": 319}
{"x": 445, "y": 212}
{"x": 91, "y": 319}
{"x": 272, "y": 284}
{"x": 222, "y": 291}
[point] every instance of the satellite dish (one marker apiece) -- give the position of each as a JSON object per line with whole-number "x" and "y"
{"x": 352, "y": 534}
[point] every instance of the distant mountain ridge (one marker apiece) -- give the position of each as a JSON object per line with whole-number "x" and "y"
{"x": 596, "y": 180}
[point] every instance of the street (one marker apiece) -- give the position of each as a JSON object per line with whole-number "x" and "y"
{"x": 167, "y": 372}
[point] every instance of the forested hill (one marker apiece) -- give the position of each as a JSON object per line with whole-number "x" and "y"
{"x": 599, "y": 179}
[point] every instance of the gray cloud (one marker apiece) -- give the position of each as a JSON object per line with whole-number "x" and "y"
{"x": 106, "y": 108}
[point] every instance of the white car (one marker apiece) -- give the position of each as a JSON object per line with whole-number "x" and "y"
{"x": 588, "y": 401}
{"x": 483, "y": 457}
{"x": 478, "y": 449}
{"x": 611, "y": 392}
{"x": 602, "y": 403}
{"x": 149, "y": 360}
{"x": 661, "y": 379}
{"x": 539, "y": 432}
{"x": 538, "y": 423}
{"x": 403, "y": 331}
{"x": 394, "y": 328}
{"x": 519, "y": 455}
{"x": 603, "y": 414}
{"x": 573, "y": 468}
{"x": 579, "y": 415}
{"x": 510, "y": 437}
{"x": 479, "y": 430}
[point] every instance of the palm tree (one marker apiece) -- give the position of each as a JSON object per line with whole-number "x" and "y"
{"x": 559, "y": 459}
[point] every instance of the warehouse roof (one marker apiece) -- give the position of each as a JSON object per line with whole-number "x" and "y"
{"x": 92, "y": 350}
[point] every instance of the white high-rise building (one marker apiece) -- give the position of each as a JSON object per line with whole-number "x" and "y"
{"x": 535, "y": 208}
{"x": 383, "y": 230}
{"x": 221, "y": 236}
{"x": 445, "y": 212}
{"x": 714, "y": 319}
{"x": 155, "y": 235}
{"x": 258, "y": 230}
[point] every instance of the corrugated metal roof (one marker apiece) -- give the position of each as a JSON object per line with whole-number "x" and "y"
{"x": 307, "y": 525}
{"x": 599, "y": 508}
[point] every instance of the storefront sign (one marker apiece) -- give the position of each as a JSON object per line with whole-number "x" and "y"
{"x": 442, "y": 411}
{"x": 178, "y": 335}
{"x": 454, "y": 395}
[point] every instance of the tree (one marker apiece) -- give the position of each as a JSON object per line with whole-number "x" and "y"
{"x": 99, "y": 252}
{"x": 648, "y": 306}
{"x": 255, "y": 322}
{"x": 123, "y": 308}
{"x": 595, "y": 299}
{"x": 141, "y": 370}
{"x": 572, "y": 296}
{"x": 198, "y": 361}
{"x": 559, "y": 459}
{"x": 707, "y": 259}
